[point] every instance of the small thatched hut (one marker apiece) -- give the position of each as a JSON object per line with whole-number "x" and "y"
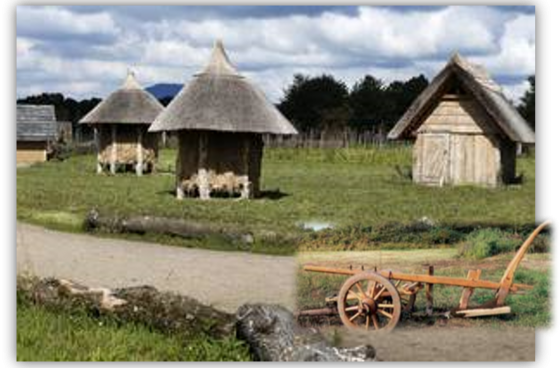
{"x": 121, "y": 124}
{"x": 465, "y": 129}
{"x": 220, "y": 118}
{"x": 36, "y": 130}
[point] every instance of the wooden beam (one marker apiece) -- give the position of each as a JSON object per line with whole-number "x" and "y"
{"x": 484, "y": 312}
{"x": 203, "y": 184}
{"x": 98, "y": 149}
{"x": 467, "y": 292}
{"x": 440, "y": 280}
{"x": 113, "y": 164}
{"x": 507, "y": 279}
{"x": 429, "y": 293}
{"x": 139, "y": 153}
{"x": 246, "y": 185}
{"x": 180, "y": 193}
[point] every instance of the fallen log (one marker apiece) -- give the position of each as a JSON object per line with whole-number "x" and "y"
{"x": 273, "y": 335}
{"x": 167, "y": 312}
{"x": 163, "y": 225}
{"x": 269, "y": 330}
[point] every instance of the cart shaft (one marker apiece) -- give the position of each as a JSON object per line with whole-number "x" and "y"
{"x": 428, "y": 279}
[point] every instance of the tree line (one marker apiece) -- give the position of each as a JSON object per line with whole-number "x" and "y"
{"x": 316, "y": 103}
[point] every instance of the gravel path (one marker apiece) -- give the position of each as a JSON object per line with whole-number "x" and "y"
{"x": 448, "y": 344}
{"x": 225, "y": 280}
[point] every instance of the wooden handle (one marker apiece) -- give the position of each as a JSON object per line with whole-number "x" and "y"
{"x": 507, "y": 279}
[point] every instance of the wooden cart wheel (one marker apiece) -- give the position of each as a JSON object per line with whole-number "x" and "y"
{"x": 369, "y": 301}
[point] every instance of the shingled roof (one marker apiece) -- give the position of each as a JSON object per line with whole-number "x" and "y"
{"x": 478, "y": 83}
{"x": 35, "y": 122}
{"x": 130, "y": 104}
{"x": 221, "y": 99}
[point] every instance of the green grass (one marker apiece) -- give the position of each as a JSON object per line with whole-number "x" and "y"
{"x": 487, "y": 243}
{"x": 343, "y": 187}
{"x": 45, "y": 335}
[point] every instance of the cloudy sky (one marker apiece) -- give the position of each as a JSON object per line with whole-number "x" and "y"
{"x": 85, "y": 51}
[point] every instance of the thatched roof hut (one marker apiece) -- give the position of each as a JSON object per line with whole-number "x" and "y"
{"x": 36, "y": 128}
{"x": 465, "y": 130}
{"x": 121, "y": 124}
{"x": 220, "y": 118}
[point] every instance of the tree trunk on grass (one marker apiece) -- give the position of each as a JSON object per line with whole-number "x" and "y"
{"x": 167, "y": 312}
{"x": 163, "y": 225}
{"x": 273, "y": 335}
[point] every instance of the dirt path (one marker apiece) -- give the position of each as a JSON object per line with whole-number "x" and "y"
{"x": 447, "y": 343}
{"x": 223, "y": 279}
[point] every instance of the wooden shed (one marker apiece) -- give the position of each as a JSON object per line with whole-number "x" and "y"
{"x": 36, "y": 130}
{"x": 464, "y": 128}
{"x": 120, "y": 123}
{"x": 220, "y": 118}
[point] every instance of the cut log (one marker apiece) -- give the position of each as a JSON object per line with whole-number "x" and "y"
{"x": 468, "y": 313}
{"x": 163, "y": 225}
{"x": 273, "y": 335}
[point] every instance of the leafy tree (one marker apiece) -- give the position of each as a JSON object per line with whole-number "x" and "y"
{"x": 527, "y": 106}
{"x": 316, "y": 102}
{"x": 399, "y": 96}
{"x": 367, "y": 101}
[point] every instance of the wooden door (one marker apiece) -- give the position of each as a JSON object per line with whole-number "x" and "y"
{"x": 433, "y": 158}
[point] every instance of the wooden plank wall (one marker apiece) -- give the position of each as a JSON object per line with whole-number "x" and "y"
{"x": 31, "y": 152}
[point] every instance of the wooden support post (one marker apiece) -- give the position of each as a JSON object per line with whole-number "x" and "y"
{"x": 113, "y": 164}
{"x": 139, "y": 153}
{"x": 98, "y": 149}
{"x": 410, "y": 303}
{"x": 245, "y": 181}
{"x": 429, "y": 293}
{"x": 203, "y": 184}
{"x": 180, "y": 193}
{"x": 467, "y": 292}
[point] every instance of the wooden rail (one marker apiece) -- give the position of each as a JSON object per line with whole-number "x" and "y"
{"x": 439, "y": 280}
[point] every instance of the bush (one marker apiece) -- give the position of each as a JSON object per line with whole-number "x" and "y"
{"x": 541, "y": 244}
{"x": 487, "y": 243}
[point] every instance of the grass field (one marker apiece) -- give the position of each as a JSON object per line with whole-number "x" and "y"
{"x": 529, "y": 310}
{"x": 46, "y": 335}
{"x": 341, "y": 187}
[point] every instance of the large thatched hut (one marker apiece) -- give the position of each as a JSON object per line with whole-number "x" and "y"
{"x": 220, "y": 118}
{"x": 121, "y": 124}
{"x": 465, "y": 130}
{"x": 36, "y": 130}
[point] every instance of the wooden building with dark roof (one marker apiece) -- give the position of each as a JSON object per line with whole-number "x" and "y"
{"x": 36, "y": 130}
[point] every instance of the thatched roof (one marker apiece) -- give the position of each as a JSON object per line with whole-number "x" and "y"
{"x": 35, "y": 122}
{"x": 221, "y": 99}
{"x": 476, "y": 81}
{"x": 130, "y": 104}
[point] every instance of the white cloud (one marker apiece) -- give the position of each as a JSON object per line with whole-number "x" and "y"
{"x": 386, "y": 42}
{"x": 23, "y": 47}
{"x": 48, "y": 21}
{"x": 515, "y": 91}
{"x": 516, "y": 54}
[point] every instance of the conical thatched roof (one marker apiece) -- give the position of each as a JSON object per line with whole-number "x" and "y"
{"x": 130, "y": 104}
{"x": 476, "y": 81}
{"x": 221, "y": 99}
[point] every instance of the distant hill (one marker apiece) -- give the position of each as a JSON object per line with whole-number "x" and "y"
{"x": 163, "y": 90}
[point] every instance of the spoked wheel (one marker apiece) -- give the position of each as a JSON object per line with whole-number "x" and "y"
{"x": 369, "y": 301}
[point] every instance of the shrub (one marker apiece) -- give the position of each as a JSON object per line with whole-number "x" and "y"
{"x": 486, "y": 243}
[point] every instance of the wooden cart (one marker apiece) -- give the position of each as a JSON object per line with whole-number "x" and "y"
{"x": 373, "y": 300}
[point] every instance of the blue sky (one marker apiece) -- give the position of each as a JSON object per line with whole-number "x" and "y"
{"x": 85, "y": 51}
